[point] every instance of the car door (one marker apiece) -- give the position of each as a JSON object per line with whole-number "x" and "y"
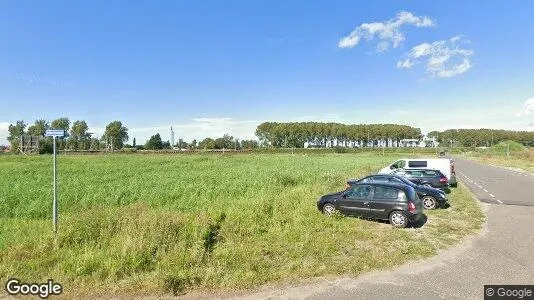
{"x": 384, "y": 198}
{"x": 355, "y": 201}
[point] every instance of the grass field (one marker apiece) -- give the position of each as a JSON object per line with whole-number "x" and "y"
{"x": 166, "y": 224}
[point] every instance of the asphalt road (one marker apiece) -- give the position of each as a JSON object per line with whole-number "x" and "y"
{"x": 497, "y": 185}
{"x": 502, "y": 254}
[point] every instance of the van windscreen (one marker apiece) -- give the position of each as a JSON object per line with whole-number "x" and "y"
{"x": 417, "y": 164}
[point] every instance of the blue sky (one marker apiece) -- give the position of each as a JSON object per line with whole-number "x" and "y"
{"x": 210, "y": 67}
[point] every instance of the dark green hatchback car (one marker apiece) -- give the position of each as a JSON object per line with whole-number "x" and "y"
{"x": 397, "y": 203}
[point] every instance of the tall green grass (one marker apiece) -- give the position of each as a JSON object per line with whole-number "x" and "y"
{"x": 164, "y": 224}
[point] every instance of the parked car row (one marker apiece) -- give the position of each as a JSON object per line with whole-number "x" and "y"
{"x": 400, "y": 195}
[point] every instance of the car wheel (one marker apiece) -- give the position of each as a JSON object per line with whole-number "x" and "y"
{"x": 429, "y": 202}
{"x": 398, "y": 219}
{"x": 427, "y": 184}
{"x": 329, "y": 209}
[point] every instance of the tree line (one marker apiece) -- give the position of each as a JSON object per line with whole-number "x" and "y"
{"x": 481, "y": 137}
{"x": 270, "y": 134}
{"x": 321, "y": 135}
{"x": 78, "y": 137}
{"x": 225, "y": 142}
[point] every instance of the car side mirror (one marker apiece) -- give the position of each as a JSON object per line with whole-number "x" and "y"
{"x": 344, "y": 194}
{"x": 392, "y": 167}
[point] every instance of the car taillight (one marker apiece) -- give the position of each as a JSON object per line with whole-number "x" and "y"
{"x": 443, "y": 179}
{"x": 411, "y": 207}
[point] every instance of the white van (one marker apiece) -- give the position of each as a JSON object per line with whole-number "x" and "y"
{"x": 445, "y": 165}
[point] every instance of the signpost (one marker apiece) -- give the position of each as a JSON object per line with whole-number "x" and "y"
{"x": 55, "y": 133}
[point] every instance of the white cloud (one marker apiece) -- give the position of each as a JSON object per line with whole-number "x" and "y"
{"x": 443, "y": 58}
{"x": 389, "y": 32}
{"x": 405, "y": 64}
{"x": 4, "y": 133}
{"x": 529, "y": 106}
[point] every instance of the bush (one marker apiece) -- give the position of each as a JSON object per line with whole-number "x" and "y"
{"x": 128, "y": 150}
{"x": 513, "y": 147}
{"x": 340, "y": 150}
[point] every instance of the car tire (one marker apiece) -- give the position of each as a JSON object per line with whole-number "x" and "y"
{"x": 329, "y": 209}
{"x": 398, "y": 219}
{"x": 429, "y": 202}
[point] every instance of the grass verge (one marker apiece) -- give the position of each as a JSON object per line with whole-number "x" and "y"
{"x": 523, "y": 160}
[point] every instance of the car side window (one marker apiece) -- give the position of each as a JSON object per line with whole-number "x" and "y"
{"x": 385, "y": 193}
{"x": 399, "y": 164}
{"x": 400, "y": 172}
{"x": 430, "y": 173}
{"x": 417, "y": 164}
{"x": 416, "y": 173}
{"x": 360, "y": 191}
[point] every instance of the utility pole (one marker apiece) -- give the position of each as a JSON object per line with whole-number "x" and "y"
{"x": 172, "y": 138}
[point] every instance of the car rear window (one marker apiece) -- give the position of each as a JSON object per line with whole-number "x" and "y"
{"x": 384, "y": 192}
{"x": 417, "y": 164}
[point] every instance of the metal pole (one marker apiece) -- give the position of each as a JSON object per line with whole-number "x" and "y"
{"x": 54, "y": 204}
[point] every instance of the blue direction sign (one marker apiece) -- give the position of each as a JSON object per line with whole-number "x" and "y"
{"x": 55, "y": 132}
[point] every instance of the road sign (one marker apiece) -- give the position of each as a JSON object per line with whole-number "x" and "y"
{"x": 55, "y": 132}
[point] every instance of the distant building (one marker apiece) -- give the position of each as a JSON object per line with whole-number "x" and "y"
{"x": 410, "y": 143}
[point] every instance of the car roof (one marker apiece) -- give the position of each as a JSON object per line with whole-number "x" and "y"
{"x": 425, "y": 158}
{"x": 354, "y": 180}
{"x": 420, "y": 169}
{"x": 390, "y": 184}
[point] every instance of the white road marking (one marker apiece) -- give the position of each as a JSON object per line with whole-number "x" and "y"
{"x": 492, "y": 196}
{"x": 499, "y": 201}
{"x": 485, "y": 190}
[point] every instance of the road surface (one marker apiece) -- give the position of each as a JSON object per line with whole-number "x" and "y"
{"x": 502, "y": 254}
